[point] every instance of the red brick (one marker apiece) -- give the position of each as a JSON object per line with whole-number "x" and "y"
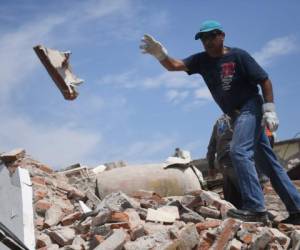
{"x": 76, "y": 194}
{"x": 45, "y": 168}
{"x": 119, "y": 225}
{"x": 39, "y": 195}
{"x": 207, "y": 224}
{"x": 39, "y": 223}
{"x": 229, "y": 228}
{"x": 246, "y": 238}
{"x": 38, "y": 180}
{"x": 71, "y": 218}
{"x": 206, "y": 242}
{"x": 42, "y": 206}
{"x": 119, "y": 217}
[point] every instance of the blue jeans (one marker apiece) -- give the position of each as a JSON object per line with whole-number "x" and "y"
{"x": 248, "y": 140}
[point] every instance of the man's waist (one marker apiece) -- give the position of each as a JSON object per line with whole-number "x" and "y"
{"x": 235, "y": 112}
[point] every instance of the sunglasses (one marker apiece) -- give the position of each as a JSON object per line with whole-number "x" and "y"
{"x": 210, "y": 35}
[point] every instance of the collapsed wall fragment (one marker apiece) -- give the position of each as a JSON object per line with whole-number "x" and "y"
{"x": 59, "y": 68}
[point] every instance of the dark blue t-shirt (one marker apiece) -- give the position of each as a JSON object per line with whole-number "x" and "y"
{"x": 232, "y": 79}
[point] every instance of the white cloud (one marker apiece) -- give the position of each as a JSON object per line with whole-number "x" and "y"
{"x": 56, "y": 146}
{"x": 143, "y": 151}
{"x": 274, "y": 48}
{"x": 97, "y": 9}
{"x": 131, "y": 79}
{"x": 172, "y": 80}
{"x": 175, "y": 96}
{"x": 176, "y": 84}
{"x": 203, "y": 93}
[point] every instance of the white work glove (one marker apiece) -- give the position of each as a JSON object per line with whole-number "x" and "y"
{"x": 269, "y": 118}
{"x": 153, "y": 47}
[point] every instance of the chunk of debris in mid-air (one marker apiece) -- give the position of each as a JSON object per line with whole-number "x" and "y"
{"x": 58, "y": 66}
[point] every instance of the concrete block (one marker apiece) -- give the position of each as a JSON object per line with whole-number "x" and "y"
{"x": 191, "y": 216}
{"x": 114, "y": 242}
{"x": 104, "y": 230}
{"x": 53, "y": 215}
{"x": 166, "y": 214}
{"x": 62, "y": 236}
{"x": 151, "y": 241}
{"x": 262, "y": 239}
{"x": 136, "y": 232}
{"x": 117, "y": 202}
{"x": 208, "y": 197}
{"x": 209, "y": 212}
{"x": 135, "y": 224}
{"x": 188, "y": 237}
{"x": 280, "y": 237}
{"x": 101, "y": 218}
{"x": 79, "y": 243}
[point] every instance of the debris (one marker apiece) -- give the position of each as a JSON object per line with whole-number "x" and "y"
{"x": 12, "y": 155}
{"x": 58, "y": 66}
{"x": 120, "y": 221}
{"x": 166, "y": 214}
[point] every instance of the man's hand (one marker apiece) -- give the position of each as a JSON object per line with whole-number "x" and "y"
{"x": 153, "y": 47}
{"x": 269, "y": 118}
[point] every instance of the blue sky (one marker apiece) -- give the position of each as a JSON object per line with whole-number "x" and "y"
{"x": 129, "y": 107}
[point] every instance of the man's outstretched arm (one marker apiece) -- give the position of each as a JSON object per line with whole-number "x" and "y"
{"x": 155, "y": 48}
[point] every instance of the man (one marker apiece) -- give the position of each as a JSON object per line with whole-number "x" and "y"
{"x": 183, "y": 154}
{"x": 232, "y": 77}
{"x": 219, "y": 145}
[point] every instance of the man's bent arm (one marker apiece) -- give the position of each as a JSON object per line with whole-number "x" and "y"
{"x": 172, "y": 64}
{"x": 267, "y": 90}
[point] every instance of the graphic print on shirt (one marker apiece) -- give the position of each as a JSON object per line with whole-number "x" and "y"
{"x": 227, "y": 72}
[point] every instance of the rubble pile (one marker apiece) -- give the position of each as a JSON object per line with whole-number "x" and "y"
{"x": 69, "y": 216}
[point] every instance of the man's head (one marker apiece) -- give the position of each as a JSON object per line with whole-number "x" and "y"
{"x": 208, "y": 26}
{"x": 211, "y": 35}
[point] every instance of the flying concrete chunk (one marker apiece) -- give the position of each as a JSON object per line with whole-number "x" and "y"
{"x": 58, "y": 67}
